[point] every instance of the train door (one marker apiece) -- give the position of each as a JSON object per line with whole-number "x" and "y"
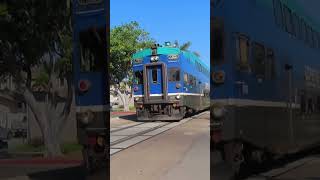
{"x": 155, "y": 84}
{"x": 155, "y": 80}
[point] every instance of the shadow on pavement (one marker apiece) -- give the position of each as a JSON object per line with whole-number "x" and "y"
{"x": 77, "y": 172}
{"x": 131, "y": 117}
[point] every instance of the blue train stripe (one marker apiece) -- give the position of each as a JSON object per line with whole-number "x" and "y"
{"x": 173, "y": 94}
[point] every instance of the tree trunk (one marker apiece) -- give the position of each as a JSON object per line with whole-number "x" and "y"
{"x": 126, "y": 105}
{"x": 47, "y": 117}
{"x": 52, "y": 144}
{"x": 124, "y": 99}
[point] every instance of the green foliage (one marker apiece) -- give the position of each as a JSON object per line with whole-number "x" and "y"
{"x": 70, "y": 147}
{"x": 124, "y": 41}
{"x": 41, "y": 80}
{"x": 29, "y": 30}
{"x": 186, "y": 46}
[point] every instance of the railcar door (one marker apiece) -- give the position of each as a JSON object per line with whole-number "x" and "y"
{"x": 155, "y": 80}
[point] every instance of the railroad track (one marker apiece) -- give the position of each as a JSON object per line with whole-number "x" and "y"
{"x": 126, "y": 136}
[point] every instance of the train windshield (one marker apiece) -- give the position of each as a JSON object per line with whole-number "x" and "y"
{"x": 174, "y": 74}
{"x": 217, "y": 41}
{"x": 138, "y": 77}
{"x": 92, "y": 50}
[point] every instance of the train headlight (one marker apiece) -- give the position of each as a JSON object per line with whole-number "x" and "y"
{"x": 178, "y": 97}
{"x": 100, "y": 141}
{"x": 137, "y": 61}
{"x": 86, "y": 117}
{"x": 173, "y": 57}
{"x": 154, "y": 58}
{"x": 218, "y": 112}
{"x": 84, "y": 85}
{"x": 218, "y": 77}
{"x": 136, "y": 99}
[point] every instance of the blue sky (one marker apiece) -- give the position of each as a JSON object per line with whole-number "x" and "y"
{"x": 168, "y": 20}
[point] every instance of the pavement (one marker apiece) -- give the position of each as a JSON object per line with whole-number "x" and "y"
{"x": 179, "y": 153}
{"x": 303, "y": 169}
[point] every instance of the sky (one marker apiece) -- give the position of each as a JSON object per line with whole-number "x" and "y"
{"x": 168, "y": 20}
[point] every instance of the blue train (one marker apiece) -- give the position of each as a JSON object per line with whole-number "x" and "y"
{"x": 265, "y": 79}
{"x": 89, "y": 62}
{"x": 169, "y": 83}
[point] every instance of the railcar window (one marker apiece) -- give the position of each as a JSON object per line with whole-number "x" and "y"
{"x": 296, "y": 24}
{"x": 303, "y": 103}
{"x": 192, "y": 80}
{"x": 92, "y": 50}
{"x": 299, "y": 28}
{"x": 270, "y": 65}
{"x": 303, "y": 31}
{"x": 259, "y": 59}
{"x": 319, "y": 40}
{"x": 154, "y": 75}
{"x": 308, "y": 35}
{"x": 174, "y": 74}
{"x": 315, "y": 39}
{"x": 218, "y": 42}
{"x": 288, "y": 22}
{"x": 278, "y": 12}
{"x": 138, "y": 77}
{"x": 243, "y": 51}
{"x": 185, "y": 78}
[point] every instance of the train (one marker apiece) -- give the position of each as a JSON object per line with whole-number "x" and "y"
{"x": 90, "y": 79}
{"x": 265, "y": 80}
{"x": 169, "y": 83}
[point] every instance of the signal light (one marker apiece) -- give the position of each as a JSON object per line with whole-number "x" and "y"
{"x": 84, "y": 85}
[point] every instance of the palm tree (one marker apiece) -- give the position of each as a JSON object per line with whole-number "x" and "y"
{"x": 185, "y": 47}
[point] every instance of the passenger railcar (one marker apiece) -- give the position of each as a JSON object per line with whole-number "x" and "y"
{"x": 168, "y": 83}
{"x": 265, "y": 78}
{"x": 89, "y": 62}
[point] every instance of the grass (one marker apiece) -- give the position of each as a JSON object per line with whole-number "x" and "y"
{"x": 70, "y": 147}
{"x": 66, "y": 148}
{"x": 28, "y": 148}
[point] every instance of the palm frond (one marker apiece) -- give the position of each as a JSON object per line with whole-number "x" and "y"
{"x": 185, "y": 46}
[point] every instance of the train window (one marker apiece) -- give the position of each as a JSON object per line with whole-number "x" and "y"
{"x": 315, "y": 39}
{"x": 185, "y": 78}
{"x": 308, "y": 35}
{"x": 138, "y": 77}
{"x": 92, "y": 50}
{"x": 154, "y": 75}
{"x": 303, "y": 103}
{"x": 277, "y": 7}
{"x": 270, "y": 65}
{"x": 174, "y": 74}
{"x": 299, "y": 28}
{"x": 259, "y": 59}
{"x": 288, "y": 21}
{"x": 319, "y": 40}
{"x": 243, "y": 51}
{"x": 303, "y": 31}
{"x": 296, "y": 25}
{"x": 218, "y": 41}
{"x": 318, "y": 103}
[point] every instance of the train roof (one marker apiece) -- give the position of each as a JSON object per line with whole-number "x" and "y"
{"x": 170, "y": 51}
{"x": 296, "y": 8}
